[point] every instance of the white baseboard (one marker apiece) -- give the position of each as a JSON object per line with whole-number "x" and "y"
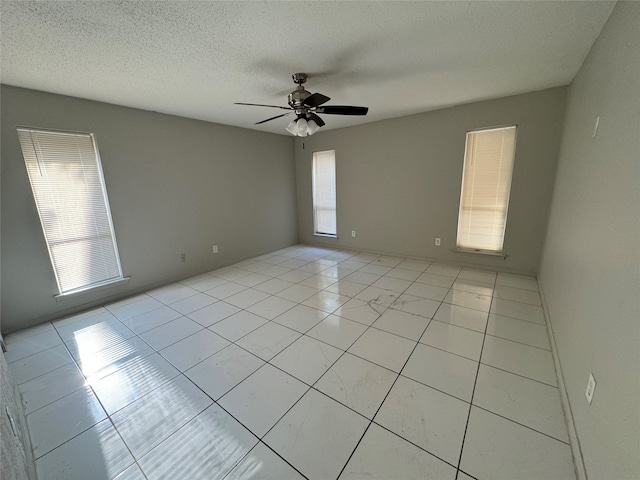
{"x": 576, "y": 451}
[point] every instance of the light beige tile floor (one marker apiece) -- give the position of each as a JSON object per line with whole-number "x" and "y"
{"x": 306, "y": 362}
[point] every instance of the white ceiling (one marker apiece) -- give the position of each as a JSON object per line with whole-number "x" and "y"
{"x": 195, "y": 59}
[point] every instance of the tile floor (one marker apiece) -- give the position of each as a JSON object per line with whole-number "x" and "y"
{"x": 306, "y": 362}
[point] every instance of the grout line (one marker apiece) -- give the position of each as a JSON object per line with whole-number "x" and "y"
{"x": 382, "y": 403}
{"x": 475, "y": 382}
{"x": 519, "y": 343}
{"x": 388, "y": 393}
{"x": 518, "y": 375}
{"x": 260, "y": 442}
{"x": 521, "y": 424}
{"x": 412, "y": 443}
{"x": 8, "y": 340}
{"x": 108, "y": 416}
{"x": 311, "y": 386}
{"x": 437, "y": 389}
{"x": 518, "y": 319}
{"x": 465, "y": 473}
{"x": 35, "y": 459}
{"x": 455, "y": 324}
{"x": 60, "y": 398}
{"x": 32, "y": 354}
{"x": 306, "y": 392}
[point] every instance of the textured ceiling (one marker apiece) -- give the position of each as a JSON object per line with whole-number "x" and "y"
{"x": 195, "y": 59}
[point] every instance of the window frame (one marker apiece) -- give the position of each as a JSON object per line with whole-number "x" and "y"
{"x": 484, "y": 251}
{"x": 87, "y": 287}
{"x": 314, "y": 188}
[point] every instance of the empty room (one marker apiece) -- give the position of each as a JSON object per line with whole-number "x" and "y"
{"x": 325, "y": 240}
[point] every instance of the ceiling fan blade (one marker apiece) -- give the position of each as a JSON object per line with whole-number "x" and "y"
{"x": 316, "y": 118}
{"x": 343, "y": 110}
{"x": 261, "y": 105}
{"x": 315, "y": 99}
{"x": 273, "y": 118}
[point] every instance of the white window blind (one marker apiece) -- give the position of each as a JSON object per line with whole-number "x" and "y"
{"x": 486, "y": 184}
{"x": 324, "y": 192}
{"x": 66, "y": 178}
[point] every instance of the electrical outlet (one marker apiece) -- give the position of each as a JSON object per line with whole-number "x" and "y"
{"x": 437, "y": 241}
{"x": 183, "y": 257}
{"x": 591, "y": 387}
{"x": 353, "y": 233}
{"x": 215, "y": 249}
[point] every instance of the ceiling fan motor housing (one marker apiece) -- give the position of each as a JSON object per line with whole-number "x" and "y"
{"x": 296, "y": 97}
{"x": 299, "y": 78}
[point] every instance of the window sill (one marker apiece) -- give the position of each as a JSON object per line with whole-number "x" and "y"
{"x": 76, "y": 293}
{"x": 325, "y": 235}
{"x": 480, "y": 252}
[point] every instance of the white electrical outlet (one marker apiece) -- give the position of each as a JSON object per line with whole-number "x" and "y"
{"x": 353, "y": 233}
{"x": 437, "y": 241}
{"x": 183, "y": 257}
{"x": 215, "y": 249}
{"x": 591, "y": 387}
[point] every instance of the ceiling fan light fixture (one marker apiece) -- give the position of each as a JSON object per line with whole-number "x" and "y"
{"x": 303, "y": 127}
{"x": 312, "y": 127}
{"x": 292, "y": 128}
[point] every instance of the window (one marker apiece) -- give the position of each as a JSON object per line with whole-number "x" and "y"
{"x": 324, "y": 193}
{"x": 68, "y": 187}
{"x": 486, "y": 183}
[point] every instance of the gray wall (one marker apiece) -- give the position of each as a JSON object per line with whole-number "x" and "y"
{"x": 398, "y": 181}
{"x": 17, "y": 462}
{"x": 175, "y": 186}
{"x": 590, "y": 271}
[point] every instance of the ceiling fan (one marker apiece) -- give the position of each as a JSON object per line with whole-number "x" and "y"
{"x": 306, "y": 106}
